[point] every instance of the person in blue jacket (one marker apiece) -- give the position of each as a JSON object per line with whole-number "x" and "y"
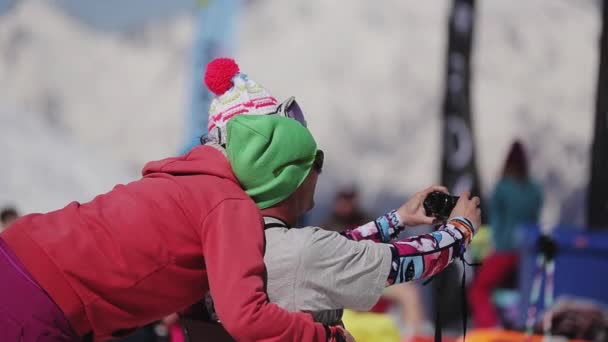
{"x": 516, "y": 200}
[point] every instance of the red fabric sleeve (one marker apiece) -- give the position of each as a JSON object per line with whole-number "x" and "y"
{"x": 233, "y": 248}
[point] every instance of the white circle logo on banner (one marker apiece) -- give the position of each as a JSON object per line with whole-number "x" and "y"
{"x": 460, "y": 150}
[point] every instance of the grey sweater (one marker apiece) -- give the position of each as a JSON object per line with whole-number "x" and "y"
{"x": 321, "y": 272}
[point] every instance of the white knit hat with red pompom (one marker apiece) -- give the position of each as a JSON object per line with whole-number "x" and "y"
{"x": 235, "y": 94}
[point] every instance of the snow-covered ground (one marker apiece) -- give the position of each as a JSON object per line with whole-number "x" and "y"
{"x": 81, "y": 109}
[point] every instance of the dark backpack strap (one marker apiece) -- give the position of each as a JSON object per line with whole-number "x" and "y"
{"x": 277, "y": 224}
{"x": 274, "y": 225}
{"x": 88, "y": 337}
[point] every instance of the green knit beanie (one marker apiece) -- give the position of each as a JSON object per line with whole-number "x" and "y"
{"x": 270, "y": 155}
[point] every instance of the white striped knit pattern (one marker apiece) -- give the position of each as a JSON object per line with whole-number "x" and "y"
{"x": 245, "y": 97}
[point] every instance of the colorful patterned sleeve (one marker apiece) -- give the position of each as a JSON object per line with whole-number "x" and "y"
{"x": 383, "y": 229}
{"x": 423, "y": 256}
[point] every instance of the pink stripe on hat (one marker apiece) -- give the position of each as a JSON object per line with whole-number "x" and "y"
{"x": 238, "y": 93}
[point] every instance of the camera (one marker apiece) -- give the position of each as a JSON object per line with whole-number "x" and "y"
{"x": 439, "y": 204}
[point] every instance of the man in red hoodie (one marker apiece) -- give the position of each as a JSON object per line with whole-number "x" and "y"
{"x": 150, "y": 248}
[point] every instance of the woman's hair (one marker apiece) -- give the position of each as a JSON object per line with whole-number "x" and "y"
{"x": 516, "y": 164}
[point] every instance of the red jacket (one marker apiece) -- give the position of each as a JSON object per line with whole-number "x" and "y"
{"x": 155, "y": 246}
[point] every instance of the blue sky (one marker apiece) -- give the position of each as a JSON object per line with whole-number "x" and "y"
{"x": 117, "y": 14}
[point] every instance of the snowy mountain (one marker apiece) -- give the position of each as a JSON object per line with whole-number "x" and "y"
{"x": 116, "y": 95}
{"x": 369, "y": 78}
{"x": 45, "y": 168}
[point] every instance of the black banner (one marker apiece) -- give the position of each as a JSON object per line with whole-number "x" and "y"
{"x": 597, "y": 198}
{"x": 459, "y": 168}
{"x": 458, "y": 165}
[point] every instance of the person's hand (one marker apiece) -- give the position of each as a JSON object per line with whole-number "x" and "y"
{"x": 170, "y": 320}
{"x": 412, "y": 212}
{"x": 469, "y": 208}
{"x": 347, "y": 335}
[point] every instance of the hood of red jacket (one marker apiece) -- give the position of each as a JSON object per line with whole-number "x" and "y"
{"x": 201, "y": 160}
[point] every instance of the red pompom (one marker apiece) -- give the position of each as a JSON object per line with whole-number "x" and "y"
{"x": 219, "y": 74}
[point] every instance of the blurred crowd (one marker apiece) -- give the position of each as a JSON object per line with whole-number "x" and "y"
{"x": 515, "y": 200}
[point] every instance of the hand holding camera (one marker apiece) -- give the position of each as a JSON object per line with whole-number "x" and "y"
{"x": 443, "y": 206}
{"x": 414, "y": 212}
